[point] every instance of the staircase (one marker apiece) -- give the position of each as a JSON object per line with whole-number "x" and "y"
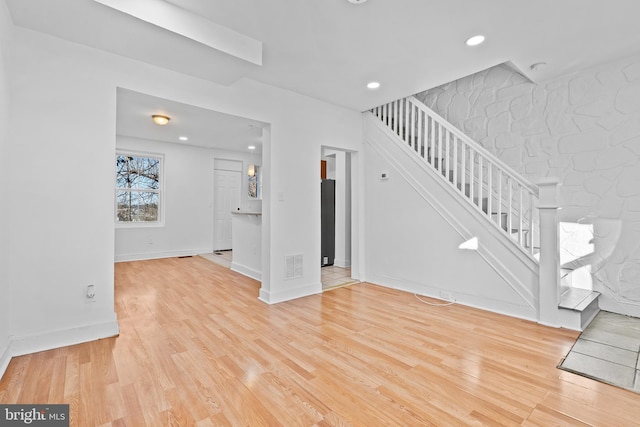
{"x": 524, "y": 214}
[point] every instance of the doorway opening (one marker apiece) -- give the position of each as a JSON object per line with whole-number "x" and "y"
{"x": 336, "y": 213}
{"x": 227, "y": 179}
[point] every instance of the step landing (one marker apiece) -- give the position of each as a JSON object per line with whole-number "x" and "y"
{"x": 578, "y": 307}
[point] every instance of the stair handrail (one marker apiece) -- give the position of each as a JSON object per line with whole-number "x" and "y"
{"x": 477, "y": 146}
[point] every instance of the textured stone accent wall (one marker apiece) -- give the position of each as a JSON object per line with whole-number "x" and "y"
{"x": 584, "y": 129}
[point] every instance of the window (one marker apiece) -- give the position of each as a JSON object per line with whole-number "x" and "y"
{"x": 138, "y": 189}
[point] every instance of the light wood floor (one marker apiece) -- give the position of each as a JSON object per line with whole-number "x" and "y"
{"x": 198, "y": 348}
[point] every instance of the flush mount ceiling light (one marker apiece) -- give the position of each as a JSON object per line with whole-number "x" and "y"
{"x": 357, "y": 1}
{"x": 475, "y": 40}
{"x": 161, "y": 120}
{"x": 373, "y": 85}
{"x": 183, "y": 138}
{"x": 251, "y": 147}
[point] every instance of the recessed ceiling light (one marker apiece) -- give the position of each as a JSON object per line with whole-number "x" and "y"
{"x": 160, "y": 119}
{"x": 183, "y": 138}
{"x": 475, "y": 40}
{"x": 373, "y": 85}
{"x": 251, "y": 147}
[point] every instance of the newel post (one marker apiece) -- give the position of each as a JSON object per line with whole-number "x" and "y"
{"x": 549, "y": 277}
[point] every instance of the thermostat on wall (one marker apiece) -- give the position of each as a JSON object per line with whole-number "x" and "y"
{"x": 384, "y": 175}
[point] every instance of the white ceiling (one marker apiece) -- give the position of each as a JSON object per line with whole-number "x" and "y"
{"x": 330, "y": 49}
{"x": 203, "y": 128}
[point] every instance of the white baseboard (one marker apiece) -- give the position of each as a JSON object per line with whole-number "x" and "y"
{"x": 289, "y": 294}
{"x": 247, "y": 271}
{"x": 609, "y": 301}
{"x": 342, "y": 263}
{"x": 499, "y": 307}
{"x": 27, "y": 344}
{"x": 5, "y": 358}
{"x": 158, "y": 255}
{"x": 55, "y": 339}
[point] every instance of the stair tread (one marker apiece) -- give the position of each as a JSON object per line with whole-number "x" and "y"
{"x": 577, "y": 299}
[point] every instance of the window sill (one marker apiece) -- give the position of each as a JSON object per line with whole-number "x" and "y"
{"x": 125, "y": 225}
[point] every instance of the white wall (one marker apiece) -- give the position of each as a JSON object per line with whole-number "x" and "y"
{"x": 293, "y": 157}
{"x": 188, "y": 202}
{"x": 348, "y": 213}
{"x": 5, "y": 290}
{"x": 62, "y": 227}
{"x": 343, "y": 212}
{"x": 61, "y": 236}
{"x": 583, "y": 128}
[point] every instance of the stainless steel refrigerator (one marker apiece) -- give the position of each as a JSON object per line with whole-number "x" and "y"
{"x": 328, "y": 221}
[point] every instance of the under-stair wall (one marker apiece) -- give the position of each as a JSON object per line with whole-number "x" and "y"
{"x": 414, "y": 225}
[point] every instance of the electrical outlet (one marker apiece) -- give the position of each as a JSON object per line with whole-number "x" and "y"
{"x": 90, "y": 294}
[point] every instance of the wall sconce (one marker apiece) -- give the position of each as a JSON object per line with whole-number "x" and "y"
{"x": 160, "y": 119}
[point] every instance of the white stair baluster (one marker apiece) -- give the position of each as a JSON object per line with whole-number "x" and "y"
{"x": 440, "y": 141}
{"x": 531, "y": 231}
{"x": 401, "y": 119}
{"x": 423, "y": 139}
{"x": 480, "y": 182}
{"x": 509, "y": 207}
{"x": 463, "y": 167}
{"x": 489, "y": 189}
{"x": 397, "y": 120}
{"x": 455, "y": 161}
{"x": 415, "y": 114}
{"x": 417, "y": 142}
{"x": 447, "y": 153}
{"x": 395, "y": 116}
{"x": 499, "y": 198}
{"x": 432, "y": 139}
{"x": 407, "y": 107}
{"x": 520, "y": 215}
{"x": 472, "y": 161}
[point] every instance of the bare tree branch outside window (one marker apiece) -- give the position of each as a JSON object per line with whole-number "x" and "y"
{"x": 137, "y": 188}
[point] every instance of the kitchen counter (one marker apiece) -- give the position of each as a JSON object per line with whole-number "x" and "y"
{"x": 246, "y": 213}
{"x": 246, "y": 236}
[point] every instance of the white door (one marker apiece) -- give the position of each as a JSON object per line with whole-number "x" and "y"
{"x": 226, "y": 199}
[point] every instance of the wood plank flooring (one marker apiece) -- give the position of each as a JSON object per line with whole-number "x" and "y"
{"x": 197, "y": 348}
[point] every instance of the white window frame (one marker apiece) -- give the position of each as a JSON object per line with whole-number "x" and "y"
{"x": 160, "y": 191}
